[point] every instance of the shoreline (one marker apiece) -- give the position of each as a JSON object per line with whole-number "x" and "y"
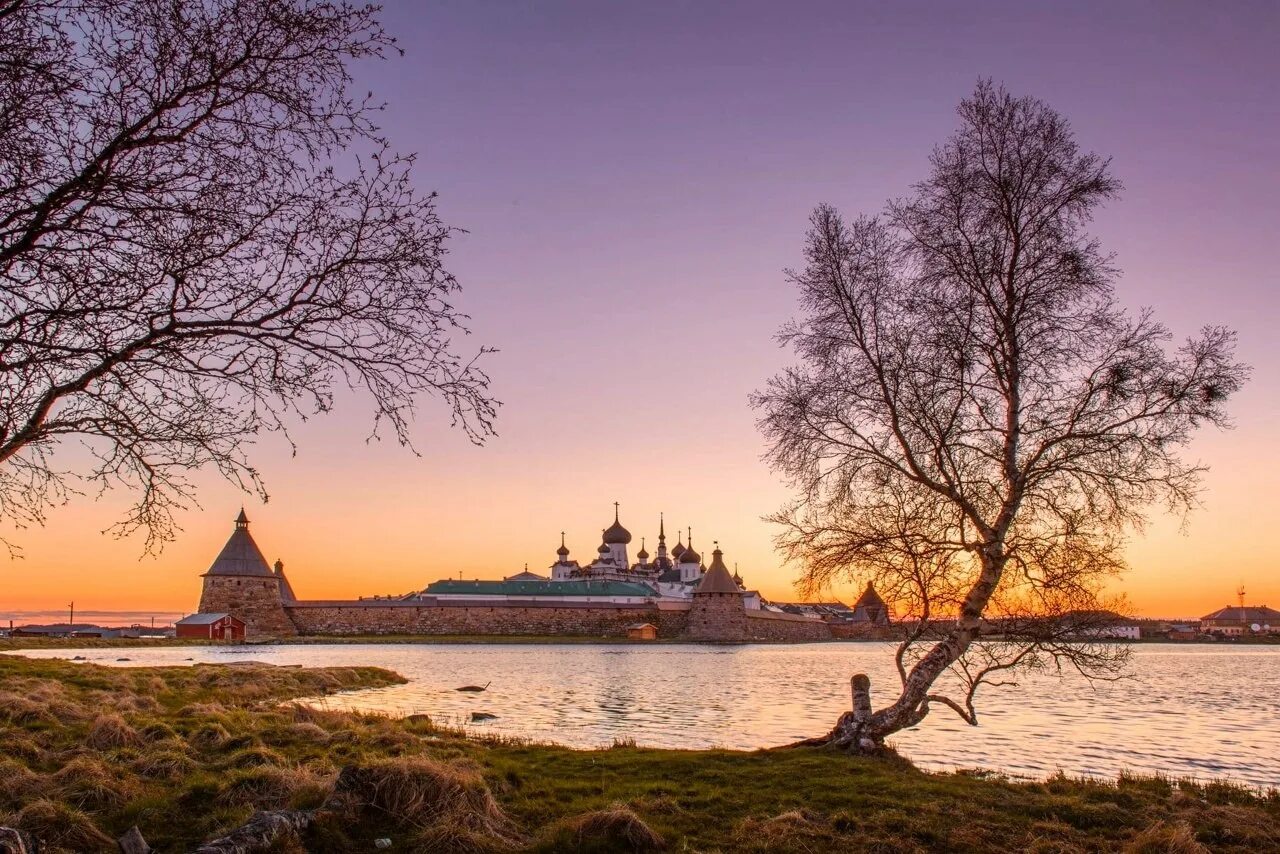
{"x": 499, "y": 640}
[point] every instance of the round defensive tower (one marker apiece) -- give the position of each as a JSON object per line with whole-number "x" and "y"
{"x": 240, "y": 583}
{"x": 719, "y": 612}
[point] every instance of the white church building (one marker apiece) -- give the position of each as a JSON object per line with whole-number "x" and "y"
{"x": 673, "y": 574}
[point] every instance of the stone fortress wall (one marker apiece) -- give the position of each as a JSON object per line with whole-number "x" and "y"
{"x": 721, "y": 620}
{"x": 365, "y": 617}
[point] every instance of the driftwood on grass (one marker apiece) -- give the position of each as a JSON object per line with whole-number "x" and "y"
{"x": 14, "y": 841}
{"x": 133, "y": 843}
{"x": 260, "y": 832}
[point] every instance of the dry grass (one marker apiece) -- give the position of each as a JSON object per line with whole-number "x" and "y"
{"x": 61, "y": 827}
{"x": 110, "y": 731}
{"x": 616, "y": 828}
{"x": 203, "y": 711}
{"x": 436, "y": 799}
{"x": 209, "y": 736}
{"x": 16, "y": 744}
{"x": 163, "y": 764}
{"x": 20, "y": 710}
{"x": 268, "y": 787}
{"x": 92, "y": 784}
{"x": 19, "y": 784}
{"x": 791, "y": 828}
{"x": 1175, "y": 837}
{"x": 308, "y": 732}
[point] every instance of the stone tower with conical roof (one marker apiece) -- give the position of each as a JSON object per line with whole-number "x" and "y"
{"x": 718, "y": 612}
{"x": 240, "y": 583}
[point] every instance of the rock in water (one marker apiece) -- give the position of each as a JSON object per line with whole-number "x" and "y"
{"x": 382, "y": 843}
{"x": 474, "y": 688}
{"x": 483, "y": 716}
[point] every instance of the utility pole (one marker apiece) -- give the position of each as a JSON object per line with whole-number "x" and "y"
{"x": 72, "y": 606}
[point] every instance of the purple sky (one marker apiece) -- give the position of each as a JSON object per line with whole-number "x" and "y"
{"x": 634, "y": 178}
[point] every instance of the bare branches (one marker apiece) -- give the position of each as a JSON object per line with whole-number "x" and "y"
{"x": 187, "y": 258}
{"x": 974, "y": 421}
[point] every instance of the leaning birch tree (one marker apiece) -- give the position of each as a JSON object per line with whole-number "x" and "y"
{"x": 974, "y": 422}
{"x": 204, "y": 236}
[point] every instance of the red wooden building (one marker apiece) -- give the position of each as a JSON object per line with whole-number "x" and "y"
{"x": 211, "y": 627}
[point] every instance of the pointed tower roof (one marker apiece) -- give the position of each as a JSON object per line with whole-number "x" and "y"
{"x": 662, "y": 529}
{"x": 717, "y": 579}
{"x": 241, "y": 555}
{"x": 869, "y": 598}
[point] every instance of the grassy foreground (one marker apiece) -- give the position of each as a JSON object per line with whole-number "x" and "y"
{"x": 188, "y": 753}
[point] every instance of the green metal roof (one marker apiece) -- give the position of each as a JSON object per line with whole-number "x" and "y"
{"x": 531, "y": 587}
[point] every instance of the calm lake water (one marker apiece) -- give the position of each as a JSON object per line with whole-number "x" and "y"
{"x": 1200, "y": 711}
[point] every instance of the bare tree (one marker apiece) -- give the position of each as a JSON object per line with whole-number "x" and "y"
{"x": 974, "y": 422}
{"x": 203, "y": 236}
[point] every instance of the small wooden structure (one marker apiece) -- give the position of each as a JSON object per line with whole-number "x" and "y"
{"x": 642, "y": 631}
{"x": 210, "y": 627}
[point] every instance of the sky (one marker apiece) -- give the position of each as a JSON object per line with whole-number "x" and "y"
{"x": 633, "y": 179}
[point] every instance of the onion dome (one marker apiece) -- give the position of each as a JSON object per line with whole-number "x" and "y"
{"x": 678, "y": 550}
{"x": 615, "y": 533}
{"x": 563, "y": 551}
{"x": 642, "y": 554}
{"x": 689, "y": 555}
{"x": 604, "y": 549}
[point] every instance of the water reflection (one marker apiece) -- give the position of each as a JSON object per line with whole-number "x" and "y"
{"x": 1184, "y": 711}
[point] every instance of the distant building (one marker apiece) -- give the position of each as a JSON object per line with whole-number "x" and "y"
{"x": 64, "y": 630}
{"x": 214, "y": 626}
{"x": 1238, "y": 620}
{"x": 673, "y": 575}
{"x": 642, "y": 631}
{"x": 1100, "y": 625}
{"x": 242, "y": 584}
{"x": 673, "y": 592}
{"x": 829, "y": 611}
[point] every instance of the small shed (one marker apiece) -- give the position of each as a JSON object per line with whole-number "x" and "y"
{"x": 642, "y": 631}
{"x": 210, "y": 627}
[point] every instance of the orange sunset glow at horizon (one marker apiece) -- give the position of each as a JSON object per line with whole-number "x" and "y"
{"x": 382, "y": 521}
{"x": 629, "y": 186}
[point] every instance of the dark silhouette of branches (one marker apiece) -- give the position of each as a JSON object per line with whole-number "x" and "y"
{"x": 203, "y": 236}
{"x": 974, "y": 423}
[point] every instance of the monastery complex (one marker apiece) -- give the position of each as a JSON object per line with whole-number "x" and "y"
{"x": 673, "y": 594}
